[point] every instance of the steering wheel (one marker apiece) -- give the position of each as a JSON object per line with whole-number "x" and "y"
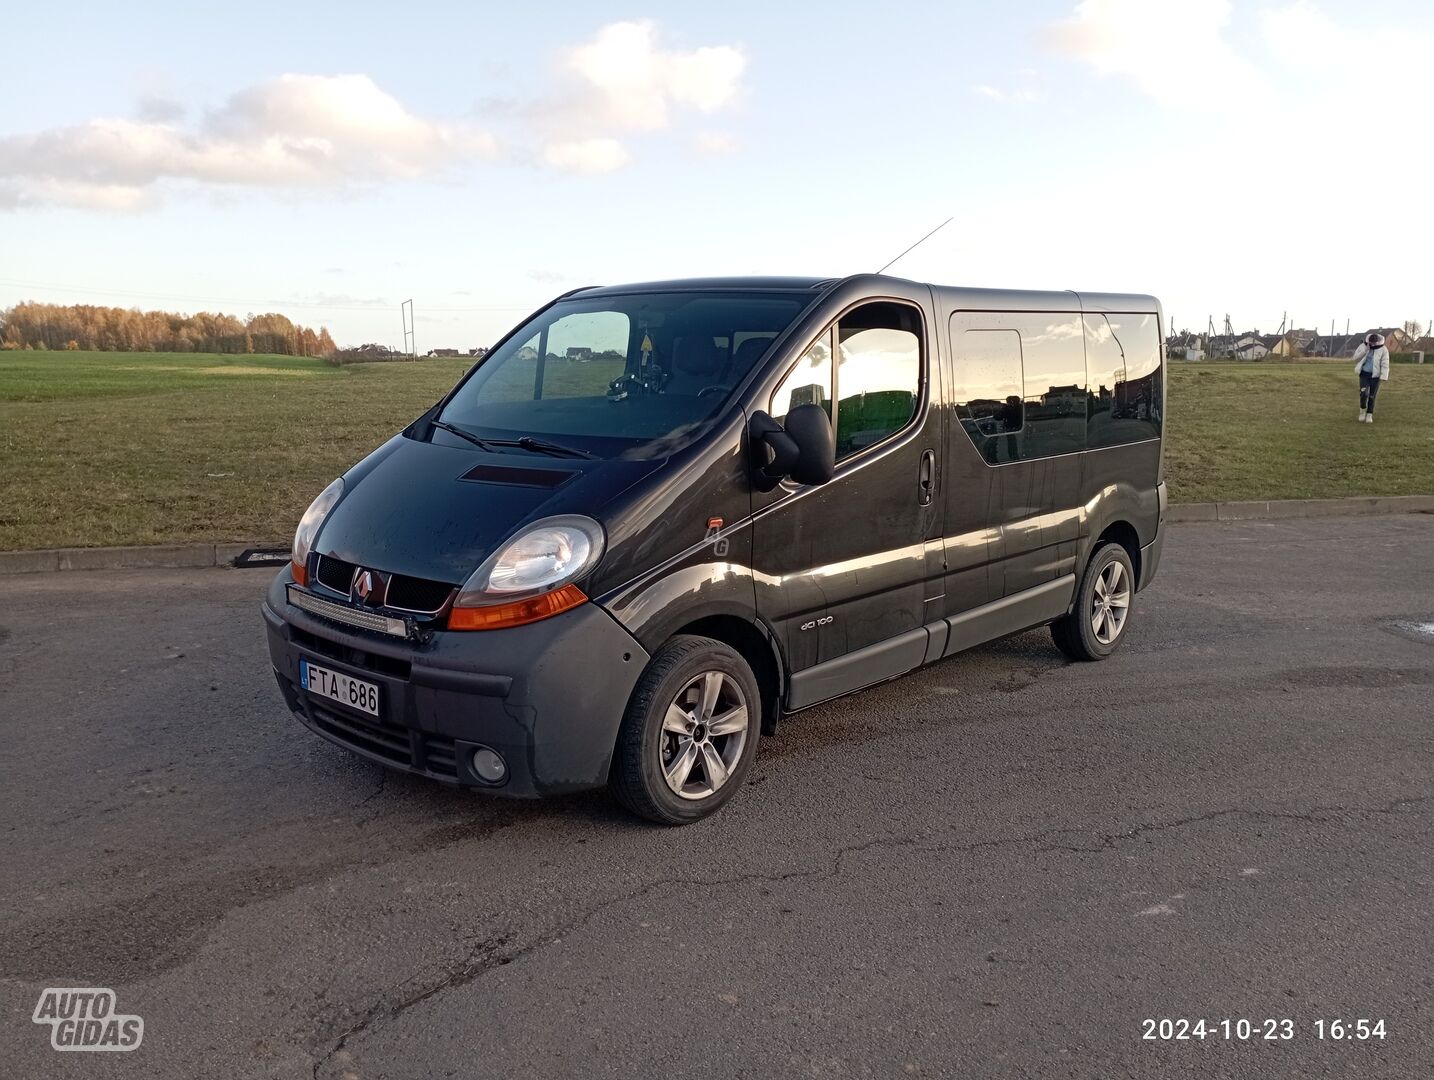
{"x": 711, "y": 390}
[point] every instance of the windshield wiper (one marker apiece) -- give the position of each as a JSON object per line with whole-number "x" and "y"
{"x": 542, "y": 446}
{"x": 482, "y": 444}
{"x": 524, "y": 442}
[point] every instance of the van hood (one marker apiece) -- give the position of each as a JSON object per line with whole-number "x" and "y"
{"x": 436, "y": 511}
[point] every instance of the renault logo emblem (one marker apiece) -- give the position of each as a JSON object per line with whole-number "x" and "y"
{"x": 366, "y": 588}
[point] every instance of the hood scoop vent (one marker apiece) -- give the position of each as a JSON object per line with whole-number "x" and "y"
{"x": 521, "y": 477}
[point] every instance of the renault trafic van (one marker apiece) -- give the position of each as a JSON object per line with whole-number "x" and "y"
{"x": 655, "y": 519}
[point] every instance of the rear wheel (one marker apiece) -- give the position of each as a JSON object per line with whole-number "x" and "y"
{"x": 690, "y": 732}
{"x": 1096, "y": 625}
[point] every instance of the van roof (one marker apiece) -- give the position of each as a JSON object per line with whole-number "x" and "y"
{"x": 956, "y": 297}
{"x": 715, "y": 284}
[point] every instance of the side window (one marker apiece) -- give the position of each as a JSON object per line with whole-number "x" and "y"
{"x": 576, "y": 358}
{"x": 1053, "y": 350}
{"x": 1020, "y": 383}
{"x": 1138, "y": 400}
{"x": 809, "y": 383}
{"x": 991, "y": 382}
{"x": 878, "y": 380}
{"x": 1105, "y": 376}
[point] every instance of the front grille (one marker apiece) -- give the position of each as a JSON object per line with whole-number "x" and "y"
{"x": 388, "y": 741}
{"x": 409, "y": 749}
{"x": 335, "y": 574}
{"x": 415, "y": 594}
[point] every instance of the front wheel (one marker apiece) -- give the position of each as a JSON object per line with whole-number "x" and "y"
{"x": 690, "y": 732}
{"x": 1096, "y": 625}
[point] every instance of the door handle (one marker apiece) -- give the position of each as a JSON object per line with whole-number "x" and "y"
{"x": 926, "y": 477}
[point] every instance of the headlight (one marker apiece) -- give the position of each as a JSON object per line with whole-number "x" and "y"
{"x": 309, "y": 527}
{"x": 531, "y": 576}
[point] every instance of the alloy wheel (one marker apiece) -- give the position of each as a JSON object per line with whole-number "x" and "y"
{"x": 1110, "y": 603}
{"x": 703, "y": 733}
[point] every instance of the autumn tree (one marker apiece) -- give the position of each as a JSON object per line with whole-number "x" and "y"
{"x": 30, "y": 325}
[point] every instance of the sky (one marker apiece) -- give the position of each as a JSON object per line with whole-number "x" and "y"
{"x": 329, "y": 161}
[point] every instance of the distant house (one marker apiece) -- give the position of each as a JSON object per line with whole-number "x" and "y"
{"x": 1186, "y": 346}
{"x": 1254, "y": 348}
{"x": 1064, "y": 400}
{"x": 1221, "y": 345}
{"x": 580, "y": 354}
{"x": 444, "y": 352}
{"x": 1397, "y": 340}
{"x": 1292, "y": 343}
{"x": 478, "y": 353}
{"x": 1231, "y": 345}
{"x": 1342, "y": 346}
{"x": 527, "y": 352}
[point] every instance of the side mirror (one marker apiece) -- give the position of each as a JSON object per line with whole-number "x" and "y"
{"x": 774, "y": 453}
{"x": 805, "y": 449}
{"x": 811, "y": 429}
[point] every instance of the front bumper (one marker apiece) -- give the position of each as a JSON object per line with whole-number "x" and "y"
{"x": 549, "y": 697}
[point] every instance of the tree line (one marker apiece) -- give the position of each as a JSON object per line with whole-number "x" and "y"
{"x": 88, "y": 326}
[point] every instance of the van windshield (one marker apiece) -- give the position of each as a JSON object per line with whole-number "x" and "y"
{"x": 628, "y": 374}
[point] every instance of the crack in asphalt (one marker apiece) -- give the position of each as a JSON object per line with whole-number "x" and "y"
{"x": 491, "y": 952}
{"x": 1319, "y": 815}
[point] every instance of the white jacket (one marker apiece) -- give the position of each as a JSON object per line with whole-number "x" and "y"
{"x": 1381, "y": 360}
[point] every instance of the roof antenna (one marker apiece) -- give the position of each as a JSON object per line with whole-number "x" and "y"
{"x": 916, "y": 245}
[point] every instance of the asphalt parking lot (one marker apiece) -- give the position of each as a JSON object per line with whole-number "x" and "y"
{"x": 998, "y": 866}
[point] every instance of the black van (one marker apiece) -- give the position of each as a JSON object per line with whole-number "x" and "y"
{"x": 656, "y": 518}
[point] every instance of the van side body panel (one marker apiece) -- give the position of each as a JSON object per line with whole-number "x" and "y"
{"x": 843, "y": 571}
{"x": 841, "y": 579}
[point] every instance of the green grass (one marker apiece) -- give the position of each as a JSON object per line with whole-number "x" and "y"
{"x": 144, "y": 448}
{"x": 1288, "y": 431}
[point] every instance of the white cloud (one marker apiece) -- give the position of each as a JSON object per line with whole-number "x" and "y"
{"x": 714, "y": 143}
{"x": 622, "y": 82}
{"x": 1174, "y": 50}
{"x": 595, "y": 155}
{"x": 1281, "y": 126}
{"x": 320, "y": 132}
{"x": 1020, "y": 94}
{"x": 633, "y": 83}
{"x": 292, "y": 131}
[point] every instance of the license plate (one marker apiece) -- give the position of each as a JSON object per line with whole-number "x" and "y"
{"x": 336, "y": 686}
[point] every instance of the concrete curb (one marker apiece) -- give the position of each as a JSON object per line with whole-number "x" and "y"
{"x": 188, "y": 556}
{"x": 1280, "y": 509}
{"x": 157, "y": 556}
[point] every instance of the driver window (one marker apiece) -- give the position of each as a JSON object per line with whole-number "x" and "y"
{"x": 878, "y": 374}
{"x": 809, "y": 383}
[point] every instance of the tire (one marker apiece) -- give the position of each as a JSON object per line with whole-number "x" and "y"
{"x": 665, "y": 732}
{"x": 1086, "y": 633}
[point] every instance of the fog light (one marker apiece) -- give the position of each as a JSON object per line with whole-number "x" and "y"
{"x": 489, "y": 766}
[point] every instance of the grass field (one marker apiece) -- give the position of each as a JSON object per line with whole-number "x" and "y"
{"x": 144, "y": 448}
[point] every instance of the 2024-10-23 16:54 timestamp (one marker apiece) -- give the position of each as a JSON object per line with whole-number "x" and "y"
{"x": 1269, "y": 1029}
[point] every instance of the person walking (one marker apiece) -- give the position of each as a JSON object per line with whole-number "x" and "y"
{"x": 1371, "y": 361}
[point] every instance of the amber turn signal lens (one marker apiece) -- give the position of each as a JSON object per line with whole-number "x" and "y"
{"x": 301, "y": 573}
{"x": 518, "y": 612}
